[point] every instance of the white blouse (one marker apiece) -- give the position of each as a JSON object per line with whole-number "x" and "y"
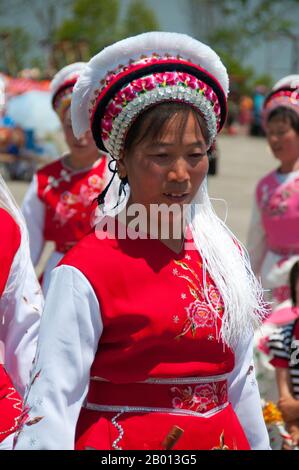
{"x": 69, "y": 335}
{"x": 21, "y": 306}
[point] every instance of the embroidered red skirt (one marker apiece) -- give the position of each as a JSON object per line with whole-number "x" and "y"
{"x": 10, "y": 405}
{"x": 179, "y": 414}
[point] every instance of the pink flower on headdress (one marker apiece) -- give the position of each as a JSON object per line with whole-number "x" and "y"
{"x": 109, "y": 78}
{"x": 189, "y": 80}
{"x": 209, "y": 94}
{"x": 112, "y": 110}
{"x": 128, "y": 93}
{"x": 107, "y": 124}
{"x": 217, "y": 108}
{"x": 167, "y": 78}
{"x": 146, "y": 83}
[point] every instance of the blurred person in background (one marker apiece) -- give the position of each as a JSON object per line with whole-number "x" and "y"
{"x": 273, "y": 237}
{"x": 258, "y": 103}
{"x": 58, "y": 204}
{"x": 284, "y": 351}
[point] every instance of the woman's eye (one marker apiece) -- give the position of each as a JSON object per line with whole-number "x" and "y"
{"x": 160, "y": 155}
{"x": 196, "y": 155}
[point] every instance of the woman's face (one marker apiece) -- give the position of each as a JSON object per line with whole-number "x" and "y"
{"x": 169, "y": 170}
{"x": 85, "y": 146}
{"x": 283, "y": 140}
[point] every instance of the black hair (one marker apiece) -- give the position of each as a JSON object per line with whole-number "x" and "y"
{"x": 287, "y": 115}
{"x": 294, "y": 276}
{"x": 152, "y": 122}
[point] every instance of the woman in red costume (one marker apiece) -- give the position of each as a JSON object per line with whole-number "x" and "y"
{"x": 21, "y": 303}
{"x": 58, "y": 204}
{"x": 160, "y": 309}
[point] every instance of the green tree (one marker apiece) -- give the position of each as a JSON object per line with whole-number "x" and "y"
{"x": 99, "y": 23}
{"x": 14, "y": 43}
{"x": 139, "y": 19}
{"x": 95, "y": 21}
{"x": 46, "y": 16}
{"x": 235, "y": 27}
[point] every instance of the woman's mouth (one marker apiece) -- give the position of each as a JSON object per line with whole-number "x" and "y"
{"x": 176, "y": 197}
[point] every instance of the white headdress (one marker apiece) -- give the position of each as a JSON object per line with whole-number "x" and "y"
{"x": 284, "y": 93}
{"x": 124, "y": 79}
{"x": 61, "y": 86}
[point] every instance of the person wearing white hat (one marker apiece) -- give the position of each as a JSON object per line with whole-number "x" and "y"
{"x": 58, "y": 204}
{"x": 21, "y": 303}
{"x": 273, "y": 236}
{"x": 157, "y": 349}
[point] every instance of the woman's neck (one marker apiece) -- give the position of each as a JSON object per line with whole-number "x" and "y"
{"x": 289, "y": 167}
{"x": 169, "y": 233}
{"x": 79, "y": 162}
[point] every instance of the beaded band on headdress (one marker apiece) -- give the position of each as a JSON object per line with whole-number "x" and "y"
{"x": 117, "y": 94}
{"x": 137, "y": 88}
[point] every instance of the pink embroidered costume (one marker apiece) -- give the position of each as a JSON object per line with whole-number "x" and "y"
{"x": 58, "y": 204}
{"x": 273, "y": 239}
{"x": 155, "y": 340}
{"x": 21, "y": 303}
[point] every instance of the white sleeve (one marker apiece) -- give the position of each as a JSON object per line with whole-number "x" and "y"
{"x": 34, "y": 213}
{"x": 71, "y": 327}
{"x": 256, "y": 240}
{"x": 21, "y": 307}
{"x": 244, "y": 396}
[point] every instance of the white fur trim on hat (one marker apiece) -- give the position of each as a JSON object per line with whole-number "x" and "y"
{"x": 133, "y": 48}
{"x": 64, "y": 75}
{"x": 291, "y": 81}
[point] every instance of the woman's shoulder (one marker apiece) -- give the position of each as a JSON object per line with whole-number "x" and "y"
{"x": 267, "y": 179}
{"x": 50, "y": 169}
{"x": 10, "y": 231}
{"x": 10, "y": 239}
{"x": 95, "y": 248}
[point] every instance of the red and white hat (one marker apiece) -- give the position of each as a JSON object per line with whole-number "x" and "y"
{"x": 62, "y": 85}
{"x": 284, "y": 93}
{"x": 132, "y": 75}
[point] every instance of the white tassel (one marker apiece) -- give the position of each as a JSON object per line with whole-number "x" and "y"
{"x": 228, "y": 264}
{"x": 132, "y": 49}
{"x": 226, "y": 261}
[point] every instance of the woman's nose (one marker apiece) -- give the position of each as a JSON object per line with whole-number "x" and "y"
{"x": 179, "y": 171}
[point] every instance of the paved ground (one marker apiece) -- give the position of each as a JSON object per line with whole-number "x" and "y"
{"x": 243, "y": 160}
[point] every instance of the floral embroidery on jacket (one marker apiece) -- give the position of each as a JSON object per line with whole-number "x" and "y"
{"x": 200, "y": 312}
{"x": 276, "y": 203}
{"x": 65, "y": 209}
